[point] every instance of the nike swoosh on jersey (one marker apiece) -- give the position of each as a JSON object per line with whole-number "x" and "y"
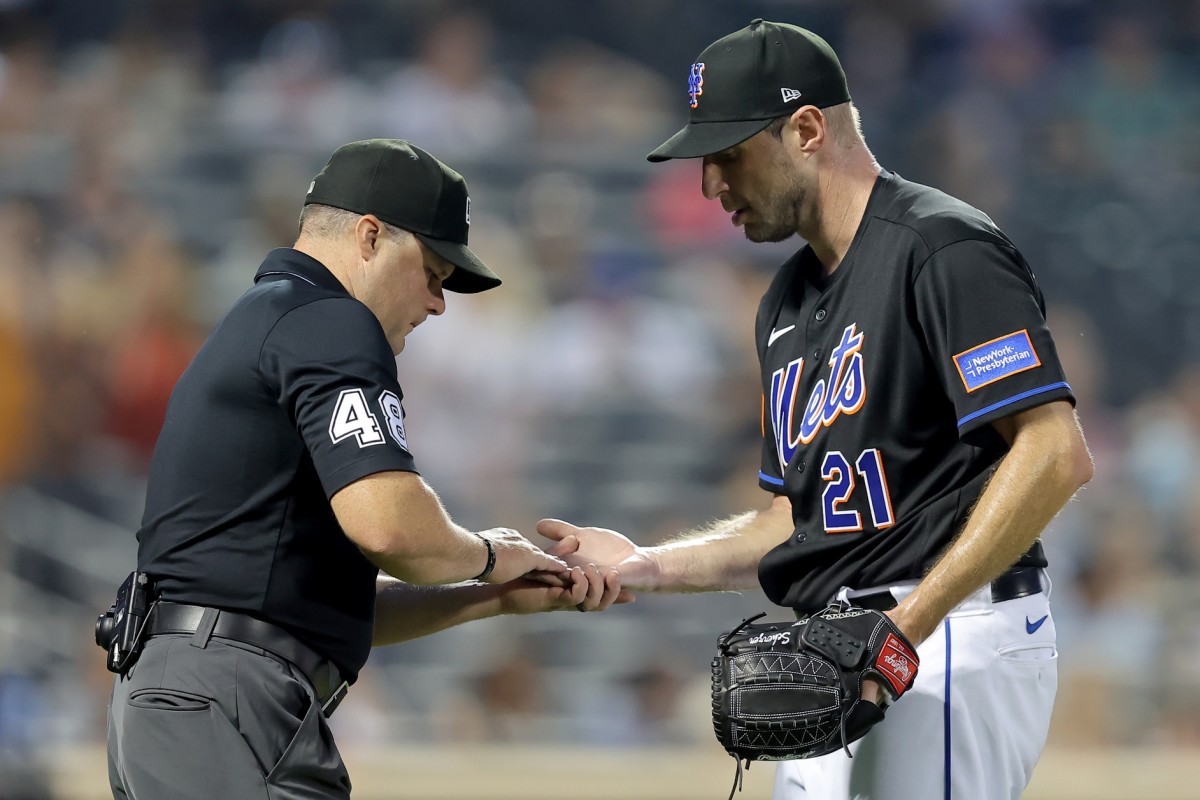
{"x": 1031, "y": 627}
{"x": 776, "y": 334}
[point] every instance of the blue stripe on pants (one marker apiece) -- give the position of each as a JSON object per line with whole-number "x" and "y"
{"x": 946, "y": 713}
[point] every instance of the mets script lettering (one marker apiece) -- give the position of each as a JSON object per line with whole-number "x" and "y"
{"x": 842, "y": 391}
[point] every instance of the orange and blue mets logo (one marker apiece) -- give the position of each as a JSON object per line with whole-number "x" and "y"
{"x": 842, "y": 391}
{"x": 696, "y": 83}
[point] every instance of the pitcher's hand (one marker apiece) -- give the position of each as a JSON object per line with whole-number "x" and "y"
{"x": 603, "y": 547}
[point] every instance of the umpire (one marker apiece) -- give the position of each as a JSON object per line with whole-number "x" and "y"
{"x": 282, "y": 483}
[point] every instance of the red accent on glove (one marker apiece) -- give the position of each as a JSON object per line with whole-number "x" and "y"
{"x": 898, "y": 663}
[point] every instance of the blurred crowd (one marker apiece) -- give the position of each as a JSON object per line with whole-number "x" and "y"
{"x": 151, "y": 153}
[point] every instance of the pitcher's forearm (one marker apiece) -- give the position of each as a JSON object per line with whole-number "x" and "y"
{"x": 1047, "y": 463}
{"x": 721, "y": 556}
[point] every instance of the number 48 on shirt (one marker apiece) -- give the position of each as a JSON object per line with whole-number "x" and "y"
{"x": 352, "y": 418}
{"x": 838, "y": 474}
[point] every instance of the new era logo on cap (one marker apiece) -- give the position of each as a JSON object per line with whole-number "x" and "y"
{"x": 789, "y": 94}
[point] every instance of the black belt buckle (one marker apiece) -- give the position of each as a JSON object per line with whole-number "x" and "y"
{"x": 335, "y": 699}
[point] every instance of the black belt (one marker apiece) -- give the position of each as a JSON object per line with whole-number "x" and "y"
{"x": 322, "y": 673}
{"x": 1017, "y": 582}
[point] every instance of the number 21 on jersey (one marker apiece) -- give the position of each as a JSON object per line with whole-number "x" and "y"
{"x": 840, "y": 486}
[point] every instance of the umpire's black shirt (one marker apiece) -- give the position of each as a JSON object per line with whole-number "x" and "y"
{"x": 293, "y": 397}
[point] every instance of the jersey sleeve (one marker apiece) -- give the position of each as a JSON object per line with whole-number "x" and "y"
{"x": 770, "y": 474}
{"x": 984, "y": 322}
{"x": 335, "y": 375}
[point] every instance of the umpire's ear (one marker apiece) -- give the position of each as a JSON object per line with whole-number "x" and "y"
{"x": 368, "y": 232}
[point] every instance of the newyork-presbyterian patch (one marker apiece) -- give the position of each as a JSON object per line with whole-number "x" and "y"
{"x": 996, "y": 359}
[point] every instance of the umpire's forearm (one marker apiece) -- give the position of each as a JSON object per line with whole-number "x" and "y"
{"x": 399, "y": 524}
{"x": 404, "y": 611}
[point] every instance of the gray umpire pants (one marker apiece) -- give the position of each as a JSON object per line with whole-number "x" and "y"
{"x": 224, "y": 720}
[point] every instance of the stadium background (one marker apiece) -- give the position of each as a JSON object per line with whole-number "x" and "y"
{"x": 151, "y": 152}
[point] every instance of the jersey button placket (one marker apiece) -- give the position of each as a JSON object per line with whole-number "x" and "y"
{"x": 819, "y": 315}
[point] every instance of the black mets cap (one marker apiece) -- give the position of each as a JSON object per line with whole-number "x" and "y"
{"x": 407, "y": 187}
{"x": 746, "y": 79}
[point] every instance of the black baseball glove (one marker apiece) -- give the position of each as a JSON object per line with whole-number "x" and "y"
{"x": 793, "y": 690}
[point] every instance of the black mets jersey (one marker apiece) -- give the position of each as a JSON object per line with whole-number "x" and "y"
{"x": 293, "y": 397}
{"x": 880, "y": 385}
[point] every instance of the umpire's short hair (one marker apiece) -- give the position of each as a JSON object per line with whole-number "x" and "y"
{"x": 327, "y": 221}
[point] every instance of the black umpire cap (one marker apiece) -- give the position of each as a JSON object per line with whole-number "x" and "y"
{"x": 746, "y": 79}
{"x": 407, "y": 187}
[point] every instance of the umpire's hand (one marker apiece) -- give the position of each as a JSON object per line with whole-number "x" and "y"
{"x": 587, "y": 588}
{"x": 516, "y": 556}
